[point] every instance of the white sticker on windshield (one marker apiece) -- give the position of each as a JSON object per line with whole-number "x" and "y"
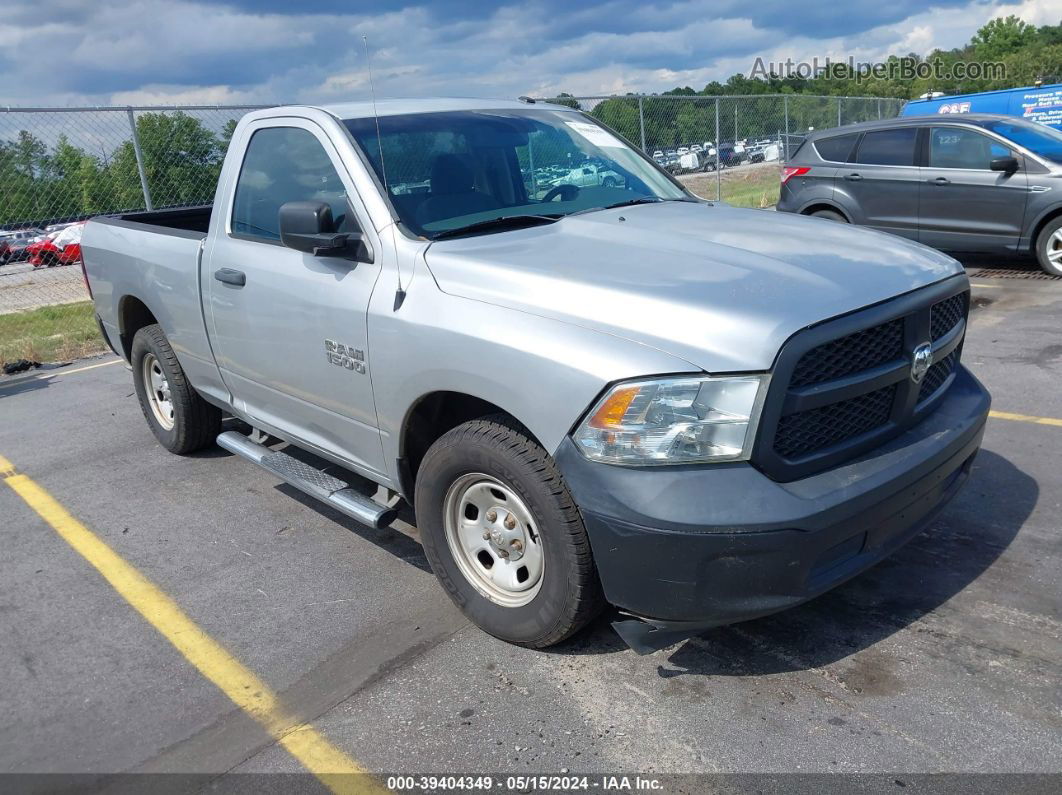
{"x": 598, "y": 136}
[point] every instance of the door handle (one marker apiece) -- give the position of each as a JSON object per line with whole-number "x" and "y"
{"x": 940, "y": 181}
{"x": 230, "y": 276}
{"x": 854, "y": 177}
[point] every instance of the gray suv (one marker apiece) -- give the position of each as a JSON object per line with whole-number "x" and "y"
{"x": 970, "y": 183}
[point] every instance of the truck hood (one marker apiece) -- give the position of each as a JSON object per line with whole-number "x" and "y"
{"x": 720, "y": 287}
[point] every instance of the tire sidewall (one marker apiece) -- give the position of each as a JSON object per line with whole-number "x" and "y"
{"x": 1041, "y": 248}
{"x": 150, "y": 340}
{"x": 441, "y": 467}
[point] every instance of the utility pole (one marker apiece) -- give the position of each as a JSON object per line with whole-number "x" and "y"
{"x": 140, "y": 161}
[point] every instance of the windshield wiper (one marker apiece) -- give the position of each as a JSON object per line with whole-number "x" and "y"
{"x": 499, "y": 224}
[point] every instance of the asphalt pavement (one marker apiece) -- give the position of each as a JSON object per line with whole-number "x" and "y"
{"x": 947, "y": 657}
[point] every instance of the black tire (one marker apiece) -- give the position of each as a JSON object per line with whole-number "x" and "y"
{"x": 1046, "y": 244}
{"x": 608, "y": 182}
{"x": 196, "y": 423}
{"x": 829, "y": 215}
{"x": 570, "y": 593}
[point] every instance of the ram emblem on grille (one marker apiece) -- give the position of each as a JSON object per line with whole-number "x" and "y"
{"x": 921, "y": 361}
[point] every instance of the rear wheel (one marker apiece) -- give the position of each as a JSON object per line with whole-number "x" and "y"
{"x": 829, "y": 215}
{"x": 503, "y": 535}
{"x": 180, "y": 419}
{"x": 1049, "y": 248}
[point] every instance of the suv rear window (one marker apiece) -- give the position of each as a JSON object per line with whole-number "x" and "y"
{"x": 888, "y": 147}
{"x": 836, "y": 149}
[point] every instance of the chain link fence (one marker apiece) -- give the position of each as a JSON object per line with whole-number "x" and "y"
{"x": 63, "y": 165}
{"x": 728, "y": 148}
{"x": 60, "y": 166}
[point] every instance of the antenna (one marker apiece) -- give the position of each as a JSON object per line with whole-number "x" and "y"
{"x": 400, "y": 293}
{"x": 375, "y": 113}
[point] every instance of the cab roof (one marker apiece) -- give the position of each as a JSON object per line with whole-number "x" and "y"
{"x": 394, "y": 107}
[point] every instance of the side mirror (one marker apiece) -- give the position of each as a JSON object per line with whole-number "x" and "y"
{"x": 1006, "y": 164}
{"x": 308, "y": 227}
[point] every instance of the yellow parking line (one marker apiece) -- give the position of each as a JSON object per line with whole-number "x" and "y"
{"x": 332, "y": 767}
{"x": 1006, "y": 415}
{"x": 982, "y": 286}
{"x": 79, "y": 369}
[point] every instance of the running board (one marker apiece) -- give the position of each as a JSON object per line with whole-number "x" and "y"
{"x": 310, "y": 480}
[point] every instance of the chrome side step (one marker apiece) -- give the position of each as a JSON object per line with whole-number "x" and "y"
{"x": 310, "y": 480}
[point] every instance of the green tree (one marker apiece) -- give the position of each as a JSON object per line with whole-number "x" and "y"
{"x": 182, "y": 158}
{"x": 621, "y": 115}
{"x": 1002, "y": 36}
{"x": 23, "y": 164}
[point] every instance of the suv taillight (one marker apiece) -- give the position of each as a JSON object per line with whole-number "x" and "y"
{"x": 793, "y": 171}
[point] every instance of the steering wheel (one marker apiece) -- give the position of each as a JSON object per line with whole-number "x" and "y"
{"x": 566, "y": 192}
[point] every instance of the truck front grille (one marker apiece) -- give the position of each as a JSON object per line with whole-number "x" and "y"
{"x": 807, "y": 431}
{"x": 845, "y": 386}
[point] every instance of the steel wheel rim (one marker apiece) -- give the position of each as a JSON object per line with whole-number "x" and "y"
{"x": 157, "y": 387}
{"x": 494, "y": 539}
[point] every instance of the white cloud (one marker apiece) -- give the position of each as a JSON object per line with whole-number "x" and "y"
{"x": 157, "y": 52}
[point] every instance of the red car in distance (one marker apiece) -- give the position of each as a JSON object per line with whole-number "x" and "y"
{"x": 61, "y": 247}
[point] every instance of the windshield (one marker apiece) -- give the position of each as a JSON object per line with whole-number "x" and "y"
{"x": 446, "y": 171}
{"x": 1037, "y": 138}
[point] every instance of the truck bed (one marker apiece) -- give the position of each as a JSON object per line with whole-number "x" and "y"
{"x": 184, "y": 219}
{"x": 149, "y": 261}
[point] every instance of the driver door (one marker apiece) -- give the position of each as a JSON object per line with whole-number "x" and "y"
{"x": 288, "y": 328}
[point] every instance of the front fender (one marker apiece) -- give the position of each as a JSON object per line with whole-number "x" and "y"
{"x": 544, "y": 372}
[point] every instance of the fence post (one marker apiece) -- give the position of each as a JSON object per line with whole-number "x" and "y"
{"x": 641, "y": 121}
{"x": 879, "y": 108}
{"x": 785, "y": 110}
{"x": 838, "y": 111}
{"x": 718, "y": 157}
{"x": 139, "y": 161}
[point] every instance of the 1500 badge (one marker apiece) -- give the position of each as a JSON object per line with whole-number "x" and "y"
{"x": 345, "y": 356}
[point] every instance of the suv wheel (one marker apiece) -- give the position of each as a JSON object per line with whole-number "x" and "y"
{"x": 180, "y": 419}
{"x": 1049, "y": 248}
{"x": 503, "y": 535}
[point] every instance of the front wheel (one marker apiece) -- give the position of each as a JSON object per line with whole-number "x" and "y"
{"x": 1049, "y": 248}
{"x": 503, "y": 535}
{"x": 180, "y": 419}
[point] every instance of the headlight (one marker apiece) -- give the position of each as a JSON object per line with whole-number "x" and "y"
{"x": 674, "y": 421}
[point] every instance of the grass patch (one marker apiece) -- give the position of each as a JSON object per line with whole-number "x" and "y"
{"x": 50, "y": 333}
{"x": 753, "y": 187}
{"x": 748, "y": 186}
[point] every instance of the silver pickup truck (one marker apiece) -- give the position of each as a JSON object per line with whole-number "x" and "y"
{"x": 609, "y": 394}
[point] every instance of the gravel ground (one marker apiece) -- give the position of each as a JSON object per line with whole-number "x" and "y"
{"x": 24, "y": 287}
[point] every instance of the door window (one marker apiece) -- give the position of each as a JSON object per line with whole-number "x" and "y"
{"x": 888, "y": 147}
{"x": 956, "y": 147}
{"x": 285, "y": 164}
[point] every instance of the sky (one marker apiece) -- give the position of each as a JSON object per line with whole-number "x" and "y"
{"x": 149, "y": 52}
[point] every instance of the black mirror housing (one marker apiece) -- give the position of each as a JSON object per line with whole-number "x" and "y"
{"x": 308, "y": 226}
{"x": 1005, "y": 164}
